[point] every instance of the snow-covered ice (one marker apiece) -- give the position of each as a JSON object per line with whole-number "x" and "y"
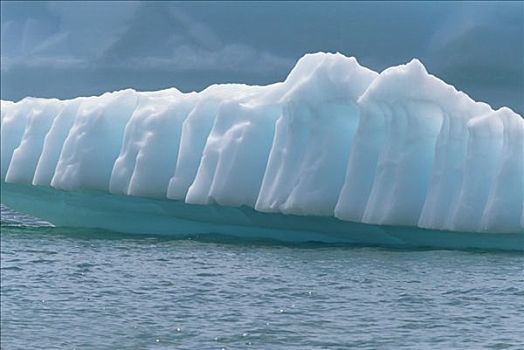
{"x": 335, "y": 139}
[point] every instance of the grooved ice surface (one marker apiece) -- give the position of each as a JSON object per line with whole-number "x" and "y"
{"x": 334, "y": 139}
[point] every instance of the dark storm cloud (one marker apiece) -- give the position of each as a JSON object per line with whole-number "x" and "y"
{"x": 65, "y": 49}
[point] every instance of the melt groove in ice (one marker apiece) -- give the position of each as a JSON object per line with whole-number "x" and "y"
{"x": 334, "y": 139}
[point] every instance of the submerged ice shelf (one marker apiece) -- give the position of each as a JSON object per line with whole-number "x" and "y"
{"x": 335, "y": 139}
{"x": 130, "y": 214}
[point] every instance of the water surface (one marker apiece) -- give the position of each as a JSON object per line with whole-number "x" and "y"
{"x": 84, "y": 289}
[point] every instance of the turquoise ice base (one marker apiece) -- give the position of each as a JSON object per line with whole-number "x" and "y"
{"x": 156, "y": 216}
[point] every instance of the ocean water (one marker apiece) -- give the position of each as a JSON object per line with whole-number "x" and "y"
{"x": 85, "y": 289}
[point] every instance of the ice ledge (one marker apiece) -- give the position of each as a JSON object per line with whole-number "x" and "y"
{"x": 100, "y": 210}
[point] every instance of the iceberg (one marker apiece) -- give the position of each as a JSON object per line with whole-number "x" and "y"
{"x": 335, "y": 152}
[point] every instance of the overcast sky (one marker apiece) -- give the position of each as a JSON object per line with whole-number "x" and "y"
{"x": 67, "y": 49}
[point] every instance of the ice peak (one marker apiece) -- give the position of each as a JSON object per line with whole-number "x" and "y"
{"x": 416, "y": 67}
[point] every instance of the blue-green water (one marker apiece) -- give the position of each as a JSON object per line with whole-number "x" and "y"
{"x": 78, "y": 289}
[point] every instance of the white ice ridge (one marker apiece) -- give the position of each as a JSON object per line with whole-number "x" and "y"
{"x": 334, "y": 139}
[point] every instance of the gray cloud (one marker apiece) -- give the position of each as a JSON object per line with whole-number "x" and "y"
{"x": 66, "y": 49}
{"x": 160, "y": 35}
